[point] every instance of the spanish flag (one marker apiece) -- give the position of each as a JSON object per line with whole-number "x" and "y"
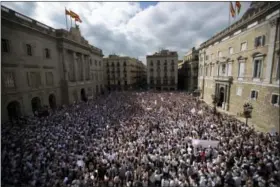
{"x": 232, "y": 10}
{"x": 67, "y": 12}
{"x": 238, "y": 6}
{"x": 74, "y": 15}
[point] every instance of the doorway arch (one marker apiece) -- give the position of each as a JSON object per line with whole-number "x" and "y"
{"x": 83, "y": 95}
{"x": 14, "y": 109}
{"x": 52, "y": 101}
{"x": 35, "y": 103}
{"x": 221, "y": 97}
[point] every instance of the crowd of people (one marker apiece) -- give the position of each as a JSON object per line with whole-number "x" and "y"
{"x": 137, "y": 139}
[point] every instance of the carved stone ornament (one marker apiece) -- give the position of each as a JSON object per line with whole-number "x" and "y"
{"x": 273, "y": 22}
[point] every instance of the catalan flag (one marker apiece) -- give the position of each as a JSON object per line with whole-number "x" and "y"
{"x": 78, "y": 19}
{"x": 238, "y": 6}
{"x": 232, "y": 10}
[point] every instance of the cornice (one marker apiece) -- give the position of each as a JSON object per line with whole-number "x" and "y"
{"x": 257, "y": 15}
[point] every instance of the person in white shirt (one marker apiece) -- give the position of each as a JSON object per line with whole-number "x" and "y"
{"x": 165, "y": 183}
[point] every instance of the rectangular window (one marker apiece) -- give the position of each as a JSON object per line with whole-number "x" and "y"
{"x": 239, "y": 91}
{"x": 212, "y": 56}
{"x": 28, "y": 49}
{"x": 47, "y": 53}
{"x": 257, "y": 68}
{"x": 241, "y": 69}
{"x": 206, "y": 71}
{"x": 254, "y": 94}
{"x": 28, "y": 79}
{"x": 206, "y": 58}
{"x": 230, "y": 50}
{"x": 219, "y": 54}
{"x": 49, "y": 78}
{"x": 34, "y": 79}
{"x": 201, "y": 57}
{"x": 9, "y": 79}
{"x": 243, "y": 46}
{"x": 259, "y": 41}
{"x": 275, "y": 100}
{"x": 5, "y": 45}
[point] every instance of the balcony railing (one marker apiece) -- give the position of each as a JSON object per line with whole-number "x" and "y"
{"x": 224, "y": 78}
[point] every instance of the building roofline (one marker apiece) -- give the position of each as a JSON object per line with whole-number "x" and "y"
{"x": 267, "y": 8}
{"x": 25, "y": 21}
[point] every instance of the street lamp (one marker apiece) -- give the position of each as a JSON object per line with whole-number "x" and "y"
{"x": 247, "y": 111}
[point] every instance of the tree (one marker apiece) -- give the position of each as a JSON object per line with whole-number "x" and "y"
{"x": 247, "y": 111}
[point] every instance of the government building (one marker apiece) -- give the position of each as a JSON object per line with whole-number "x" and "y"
{"x": 188, "y": 71}
{"x": 42, "y": 66}
{"x": 241, "y": 64}
{"x": 124, "y": 73}
{"x": 162, "y": 68}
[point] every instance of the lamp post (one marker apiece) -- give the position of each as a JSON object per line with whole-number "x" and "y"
{"x": 214, "y": 102}
{"x": 247, "y": 111}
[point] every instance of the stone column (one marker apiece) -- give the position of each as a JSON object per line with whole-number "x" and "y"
{"x": 65, "y": 64}
{"x": 75, "y": 66}
{"x": 83, "y": 67}
{"x": 270, "y": 53}
{"x": 216, "y": 89}
{"x": 226, "y": 97}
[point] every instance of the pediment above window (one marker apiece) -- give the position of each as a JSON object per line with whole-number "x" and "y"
{"x": 242, "y": 58}
{"x": 229, "y": 60}
{"x": 258, "y": 54}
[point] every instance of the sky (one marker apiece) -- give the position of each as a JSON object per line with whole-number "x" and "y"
{"x": 137, "y": 29}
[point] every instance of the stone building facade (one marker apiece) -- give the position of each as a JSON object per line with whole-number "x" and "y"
{"x": 43, "y": 66}
{"x": 191, "y": 66}
{"x": 241, "y": 64}
{"x": 123, "y": 72}
{"x": 162, "y": 68}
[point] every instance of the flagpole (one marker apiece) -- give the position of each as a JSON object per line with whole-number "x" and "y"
{"x": 229, "y": 14}
{"x": 235, "y": 17}
{"x": 66, "y": 20}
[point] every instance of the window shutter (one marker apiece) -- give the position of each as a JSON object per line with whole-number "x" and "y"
{"x": 263, "y": 40}
{"x": 256, "y": 42}
{"x": 28, "y": 80}
{"x": 259, "y": 68}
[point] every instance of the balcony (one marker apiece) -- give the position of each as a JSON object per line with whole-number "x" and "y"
{"x": 223, "y": 78}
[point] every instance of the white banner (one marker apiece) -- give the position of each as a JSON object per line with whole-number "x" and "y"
{"x": 193, "y": 110}
{"x": 204, "y": 143}
{"x": 200, "y": 112}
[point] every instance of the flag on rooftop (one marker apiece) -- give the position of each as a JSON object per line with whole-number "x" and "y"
{"x": 238, "y": 6}
{"x": 232, "y": 10}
